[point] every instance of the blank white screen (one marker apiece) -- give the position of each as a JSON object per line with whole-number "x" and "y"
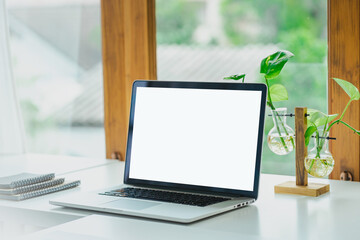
{"x": 196, "y": 136}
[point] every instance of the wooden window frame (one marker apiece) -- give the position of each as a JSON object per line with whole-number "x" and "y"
{"x": 129, "y": 53}
{"x": 344, "y": 63}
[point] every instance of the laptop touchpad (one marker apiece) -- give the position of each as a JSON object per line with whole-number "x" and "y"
{"x": 129, "y": 204}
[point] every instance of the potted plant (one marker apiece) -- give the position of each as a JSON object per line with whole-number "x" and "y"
{"x": 319, "y": 161}
{"x": 281, "y": 136}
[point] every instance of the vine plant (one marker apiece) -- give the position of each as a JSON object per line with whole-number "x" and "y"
{"x": 318, "y": 120}
{"x": 271, "y": 67}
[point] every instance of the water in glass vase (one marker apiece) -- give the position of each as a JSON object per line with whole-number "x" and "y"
{"x": 319, "y": 167}
{"x": 281, "y": 140}
{"x": 277, "y": 146}
{"x": 319, "y": 162}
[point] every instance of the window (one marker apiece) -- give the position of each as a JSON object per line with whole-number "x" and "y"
{"x": 205, "y": 40}
{"x": 56, "y": 54}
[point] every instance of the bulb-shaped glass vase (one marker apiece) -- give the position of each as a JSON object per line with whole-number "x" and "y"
{"x": 281, "y": 138}
{"x": 319, "y": 162}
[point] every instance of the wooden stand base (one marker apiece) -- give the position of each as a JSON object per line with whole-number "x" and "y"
{"x": 312, "y": 189}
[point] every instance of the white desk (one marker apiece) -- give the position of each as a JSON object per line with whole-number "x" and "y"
{"x": 17, "y": 218}
{"x": 335, "y": 215}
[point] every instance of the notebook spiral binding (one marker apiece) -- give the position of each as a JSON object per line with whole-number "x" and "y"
{"x": 32, "y": 180}
{"x": 48, "y": 190}
{"x": 38, "y": 186}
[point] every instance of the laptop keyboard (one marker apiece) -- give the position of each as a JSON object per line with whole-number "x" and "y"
{"x": 164, "y": 196}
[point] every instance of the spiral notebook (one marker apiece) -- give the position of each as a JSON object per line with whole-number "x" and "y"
{"x": 40, "y": 192}
{"x": 32, "y": 187}
{"x": 24, "y": 179}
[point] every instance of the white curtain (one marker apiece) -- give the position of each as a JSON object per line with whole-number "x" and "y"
{"x": 11, "y": 125}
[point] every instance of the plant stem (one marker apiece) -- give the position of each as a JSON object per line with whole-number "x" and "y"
{"x": 269, "y": 96}
{"x": 347, "y": 105}
{"x": 346, "y": 124}
{"x": 311, "y": 164}
{"x": 340, "y": 118}
{"x": 278, "y": 129}
{"x": 321, "y": 141}
{"x": 271, "y": 105}
{"x": 318, "y": 147}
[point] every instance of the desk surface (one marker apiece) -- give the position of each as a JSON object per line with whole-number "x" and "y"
{"x": 333, "y": 215}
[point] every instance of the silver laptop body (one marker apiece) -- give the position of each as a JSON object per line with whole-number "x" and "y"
{"x": 187, "y": 137}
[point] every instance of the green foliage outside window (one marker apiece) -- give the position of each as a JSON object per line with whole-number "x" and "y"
{"x": 298, "y": 26}
{"x": 176, "y": 21}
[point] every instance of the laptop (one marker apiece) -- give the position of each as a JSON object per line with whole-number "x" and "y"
{"x": 193, "y": 151}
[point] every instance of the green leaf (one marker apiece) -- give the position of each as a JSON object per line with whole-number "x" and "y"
{"x": 309, "y": 131}
{"x": 325, "y": 119}
{"x": 272, "y": 65}
{"x": 317, "y": 118}
{"x": 321, "y": 119}
{"x": 278, "y": 93}
{"x": 236, "y": 77}
{"x": 349, "y": 88}
{"x": 310, "y": 113}
{"x": 314, "y": 115}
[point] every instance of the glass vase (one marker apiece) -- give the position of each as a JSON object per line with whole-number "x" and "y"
{"x": 319, "y": 162}
{"x": 281, "y": 140}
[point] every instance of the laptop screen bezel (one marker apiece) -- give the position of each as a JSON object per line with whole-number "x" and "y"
{"x": 197, "y": 85}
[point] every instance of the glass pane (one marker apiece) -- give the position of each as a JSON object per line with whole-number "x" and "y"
{"x": 206, "y": 40}
{"x": 56, "y": 53}
{"x": 11, "y": 135}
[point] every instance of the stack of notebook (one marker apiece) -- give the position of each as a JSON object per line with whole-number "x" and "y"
{"x": 28, "y": 185}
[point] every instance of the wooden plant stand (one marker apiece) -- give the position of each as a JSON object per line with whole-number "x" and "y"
{"x": 301, "y": 186}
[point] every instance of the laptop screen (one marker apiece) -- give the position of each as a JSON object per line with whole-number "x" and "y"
{"x": 196, "y": 136}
